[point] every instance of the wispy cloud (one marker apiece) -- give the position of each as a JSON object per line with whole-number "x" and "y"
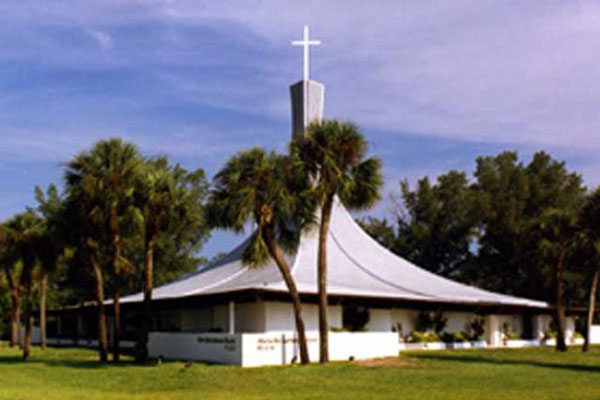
{"x": 103, "y": 39}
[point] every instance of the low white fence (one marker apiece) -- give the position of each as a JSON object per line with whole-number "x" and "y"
{"x": 257, "y": 349}
{"x": 595, "y": 334}
{"x": 211, "y": 347}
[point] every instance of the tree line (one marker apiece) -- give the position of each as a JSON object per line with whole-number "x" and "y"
{"x": 526, "y": 229}
{"x": 125, "y": 222}
{"x": 122, "y": 223}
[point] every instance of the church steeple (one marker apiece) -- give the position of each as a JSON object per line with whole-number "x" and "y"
{"x": 307, "y": 96}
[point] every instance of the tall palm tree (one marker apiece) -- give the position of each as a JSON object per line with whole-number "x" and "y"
{"x": 85, "y": 235}
{"x": 25, "y": 230}
{"x": 50, "y": 246}
{"x": 263, "y": 188}
{"x": 168, "y": 200}
{"x": 47, "y": 254}
{"x": 155, "y": 194}
{"x": 590, "y": 221}
{"x": 334, "y": 153}
{"x": 107, "y": 174}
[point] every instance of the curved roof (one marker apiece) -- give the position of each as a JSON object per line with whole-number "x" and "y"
{"x": 358, "y": 266}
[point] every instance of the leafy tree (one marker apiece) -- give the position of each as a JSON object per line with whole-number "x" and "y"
{"x": 382, "y": 231}
{"x": 512, "y": 199}
{"x": 514, "y": 229}
{"x": 334, "y": 154}
{"x": 12, "y": 269}
{"x": 436, "y": 225}
{"x": 168, "y": 200}
{"x": 4, "y": 307}
{"x": 267, "y": 189}
{"x": 107, "y": 174}
{"x": 508, "y": 225}
{"x": 560, "y": 240}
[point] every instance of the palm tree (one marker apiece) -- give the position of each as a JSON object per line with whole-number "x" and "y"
{"x": 81, "y": 215}
{"x": 107, "y": 174}
{"x": 154, "y": 198}
{"x": 24, "y": 236}
{"x": 590, "y": 221}
{"x": 51, "y": 244}
{"x": 334, "y": 153}
{"x": 167, "y": 200}
{"x": 265, "y": 188}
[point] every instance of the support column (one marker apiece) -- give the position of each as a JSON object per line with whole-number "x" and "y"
{"x": 494, "y": 335}
{"x": 231, "y": 318}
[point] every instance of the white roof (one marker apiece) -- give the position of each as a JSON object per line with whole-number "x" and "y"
{"x": 358, "y": 266}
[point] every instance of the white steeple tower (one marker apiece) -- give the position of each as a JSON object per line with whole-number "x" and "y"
{"x": 307, "y": 95}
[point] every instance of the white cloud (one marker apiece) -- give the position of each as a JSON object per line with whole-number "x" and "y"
{"x": 104, "y": 40}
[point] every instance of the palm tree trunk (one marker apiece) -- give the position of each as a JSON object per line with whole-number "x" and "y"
{"x": 286, "y": 272}
{"x": 560, "y": 307}
{"x": 322, "y": 278}
{"x": 15, "y": 321}
{"x": 591, "y": 310}
{"x": 28, "y": 314}
{"x": 142, "y": 355}
{"x": 43, "y": 296}
{"x": 116, "y": 242}
{"x": 15, "y": 311}
{"x": 102, "y": 335}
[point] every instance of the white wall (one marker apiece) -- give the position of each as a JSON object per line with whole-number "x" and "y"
{"x": 515, "y": 322}
{"x": 380, "y": 320}
{"x": 457, "y": 321}
{"x": 279, "y": 349}
{"x": 279, "y": 316}
{"x": 257, "y": 349}
{"x": 407, "y": 318}
{"x": 595, "y": 334}
{"x": 212, "y": 347}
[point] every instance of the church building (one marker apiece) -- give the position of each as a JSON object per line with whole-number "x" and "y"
{"x": 228, "y": 312}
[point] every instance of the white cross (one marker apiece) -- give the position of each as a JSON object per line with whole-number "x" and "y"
{"x": 306, "y": 42}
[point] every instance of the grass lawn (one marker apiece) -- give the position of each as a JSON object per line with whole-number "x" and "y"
{"x": 513, "y": 374}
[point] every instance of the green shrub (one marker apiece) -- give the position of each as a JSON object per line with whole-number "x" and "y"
{"x": 577, "y": 335}
{"x": 512, "y": 336}
{"x": 508, "y": 333}
{"x": 431, "y": 321}
{"x": 475, "y": 328}
{"x": 423, "y": 337}
{"x": 456, "y": 337}
{"x": 550, "y": 334}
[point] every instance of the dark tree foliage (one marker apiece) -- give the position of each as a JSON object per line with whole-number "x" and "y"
{"x": 491, "y": 231}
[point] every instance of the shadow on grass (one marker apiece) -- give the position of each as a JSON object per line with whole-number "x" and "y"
{"x": 48, "y": 359}
{"x": 81, "y": 364}
{"x": 472, "y": 359}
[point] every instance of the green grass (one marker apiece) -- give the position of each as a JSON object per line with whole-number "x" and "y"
{"x": 476, "y": 374}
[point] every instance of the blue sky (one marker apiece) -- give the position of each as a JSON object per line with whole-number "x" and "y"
{"x": 432, "y": 84}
